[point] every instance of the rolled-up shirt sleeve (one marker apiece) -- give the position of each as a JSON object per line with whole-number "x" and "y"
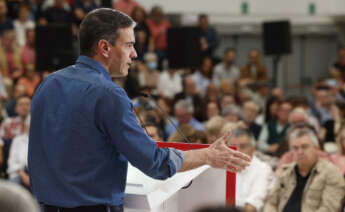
{"x": 129, "y": 139}
{"x": 177, "y": 157}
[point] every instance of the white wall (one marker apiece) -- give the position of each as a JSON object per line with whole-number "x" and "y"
{"x": 230, "y": 10}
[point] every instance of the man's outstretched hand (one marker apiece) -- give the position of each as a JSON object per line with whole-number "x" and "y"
{"x": 217, "y": 155}
{"x": 221, "y": 156}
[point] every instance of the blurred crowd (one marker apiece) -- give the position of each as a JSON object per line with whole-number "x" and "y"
{"x": 297, "y": 143}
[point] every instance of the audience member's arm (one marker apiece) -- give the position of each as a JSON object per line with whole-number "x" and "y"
{"x": 259, "y": 190}
{"x": 218, "y": 155}
{"x": 24, "y": 177}
{"x": 249, "y": 208}
{"x": 273, "y": 198}
{"x": 333, "y": 193}
{"x": 262, "y": 142}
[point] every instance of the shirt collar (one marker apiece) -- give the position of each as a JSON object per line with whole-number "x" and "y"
{"x": 94, "y": 65}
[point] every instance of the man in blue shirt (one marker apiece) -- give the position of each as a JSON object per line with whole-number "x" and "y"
{"x": 83, "y": 131}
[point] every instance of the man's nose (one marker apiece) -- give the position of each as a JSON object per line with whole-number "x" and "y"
{"x": 134, "y": 53}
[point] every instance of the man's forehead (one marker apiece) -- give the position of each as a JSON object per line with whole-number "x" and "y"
{"x": 305, "y": 139}
{"x": 127, "y": 34}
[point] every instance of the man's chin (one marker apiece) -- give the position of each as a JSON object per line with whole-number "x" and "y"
{"x": 120, "y": 74}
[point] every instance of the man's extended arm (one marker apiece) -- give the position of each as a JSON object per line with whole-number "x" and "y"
{"x": 218, "y": 155}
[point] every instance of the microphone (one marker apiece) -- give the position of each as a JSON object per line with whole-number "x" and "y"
{"x": 167, "y": 115}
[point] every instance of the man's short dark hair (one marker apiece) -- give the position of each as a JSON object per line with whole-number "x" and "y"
{"x": 102, "y": 23}
{"x": 202, "y": 15}
{"x": 229, "y": 49}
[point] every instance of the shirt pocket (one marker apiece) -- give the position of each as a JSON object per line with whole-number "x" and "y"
{"x": 314, "y": 194}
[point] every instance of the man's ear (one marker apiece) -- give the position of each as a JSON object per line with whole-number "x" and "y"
{"x": 103, "y": 48}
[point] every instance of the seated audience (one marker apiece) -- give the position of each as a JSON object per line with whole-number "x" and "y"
{"x": 17, "y": 161}
{"x": 31, "y": 79}
{"x": 6, "y": 23}
{"x": 288, "y": 157}
{"x": 249, "y": 114}
{"x": 188, "y": 134}
{"x": 203, "y": 77}
{"x": 23, "y": 23}
{"x": 309, "y": 184}
{"x": 212, "y": 110}
{"x": 338, "y": 159}
{"x": 190, "y": 93}
{"x": 184, "y": 111}
{"x": 10, "y": 106}
{"x": 170, "y": 83}
{"x": 231, "y": 113}
{"x": 214, "y": 127}
{"x": 227, "y": 68}
{"x": 10, "y": 57}
{"x": 153, "y": 131}
{"x": 253, "y": 183}
{"x": 274, "y": 131}
{"x": 225, "y": 100}
{"x": 254, "y": 69}
{"x": 28, "y": 52}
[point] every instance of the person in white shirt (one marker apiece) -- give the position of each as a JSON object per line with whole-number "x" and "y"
{"x": 203, "y": 77}
{"x": 227, "y": 69}
{"x": 17, "y": 161}
{"x": 170, "y": 83}
{"x": 254, "y": 182}
{"x": 23, "y": 23}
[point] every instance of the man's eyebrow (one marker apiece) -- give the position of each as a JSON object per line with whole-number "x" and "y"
{"x": 130, "y": 42}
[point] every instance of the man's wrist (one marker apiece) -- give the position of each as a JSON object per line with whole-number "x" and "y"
{"x": 205, "y": 156}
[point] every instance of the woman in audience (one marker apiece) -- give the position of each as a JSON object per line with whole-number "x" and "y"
{"x": 212, "y": 110}
{"x": 139, "y": 16}
{"x": 271, "y": 109}
{"x": 338, "y": 159}
{"x": 144, "y": 42}
{"x": 203, "y": 76}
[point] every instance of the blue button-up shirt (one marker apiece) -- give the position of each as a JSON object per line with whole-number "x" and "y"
{"x": 82, "y": 133}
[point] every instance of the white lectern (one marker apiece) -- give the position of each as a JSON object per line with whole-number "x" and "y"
{"x": 184, "y": 192}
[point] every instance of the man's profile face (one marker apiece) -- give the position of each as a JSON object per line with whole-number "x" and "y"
{"x": 122, "y": 53}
